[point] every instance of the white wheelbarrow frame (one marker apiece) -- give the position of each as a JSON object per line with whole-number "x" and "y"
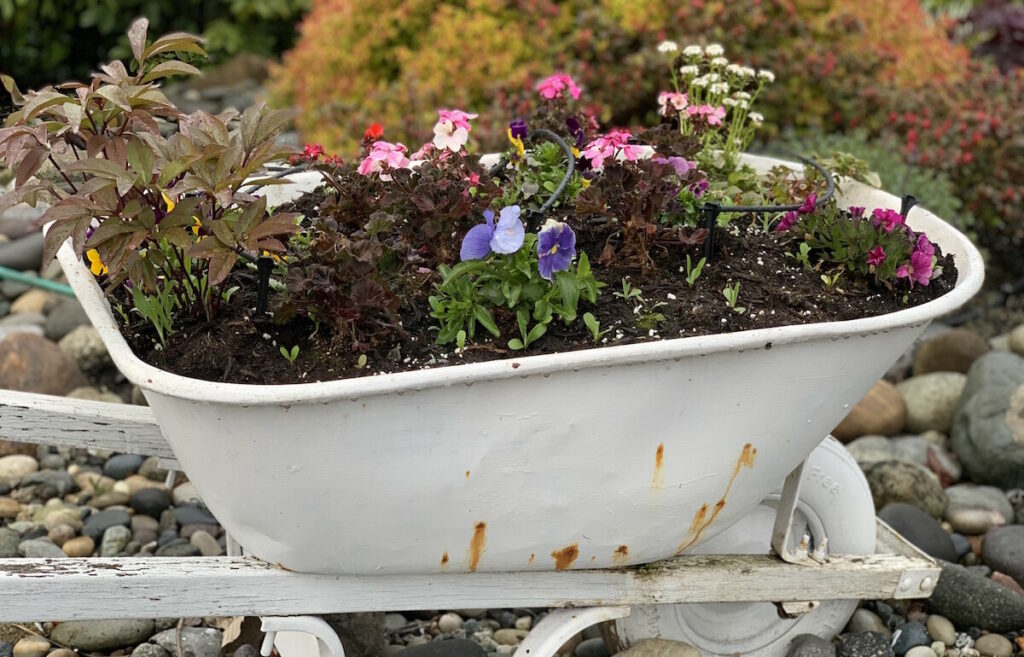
{"x": 238, "y": 585}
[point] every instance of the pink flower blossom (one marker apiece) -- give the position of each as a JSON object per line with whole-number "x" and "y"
{"x": 616, "y": 141}
{"x": 809, "y": 205}
{"x": 675, "y": 100}
{"x": 919, "y": 268}
{"x": 876, "y": 256}
{"x": 788, "y": 221}
{"x": 713, "y": 115}
{"x": 887, "y": 219}
{"x": 555, "y": 86}
{"x": 856, "y": 210}
{"x": 384, "y": 154}
{"x": 449, "y": 136}
{"x": 458, "y": 118}
{"x": 423, "y": 152}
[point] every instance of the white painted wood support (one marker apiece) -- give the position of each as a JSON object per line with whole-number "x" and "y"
{"x": 561, "y": 625}
{"x": 64, "y": 422}
{"x": 83, "y": 589}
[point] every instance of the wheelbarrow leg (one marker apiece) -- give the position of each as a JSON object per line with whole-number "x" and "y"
{"x": 561, "y": 625}
{"x": 783, "y": 528}
{"x": 327, "y": 640}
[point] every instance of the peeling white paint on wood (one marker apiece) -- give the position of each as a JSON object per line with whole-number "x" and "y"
{"x": 82, "y": 589}
{"x": 60, "y": 421}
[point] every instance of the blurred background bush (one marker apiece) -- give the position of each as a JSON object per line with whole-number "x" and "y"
{"x": 929, "y": 92}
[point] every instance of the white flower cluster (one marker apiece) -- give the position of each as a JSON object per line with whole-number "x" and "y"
{"x": 689, "y": 71}
{"x": 692, "y": 51}
{"x": 714, "y": 50}
{"x": 756, "y": 118}
{"x": 766, "y": 75}
{"x": 668, "y": 47}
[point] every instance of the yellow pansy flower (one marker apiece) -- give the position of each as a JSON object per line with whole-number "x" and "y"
{"x": 96, "y": 265}
{"x": 196, "y": 225}
{"x": 518, "y": 143}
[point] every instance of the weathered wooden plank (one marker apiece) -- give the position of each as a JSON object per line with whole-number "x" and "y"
{"x": 59, "y": 421}
{"x": 69, "y": 589}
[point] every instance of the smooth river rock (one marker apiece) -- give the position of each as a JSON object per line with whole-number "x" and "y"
{"x": 931, "y": 400}
{"x": 102, "y": 634}
{"x": 900, "y": 481}
{"x": 970, "y": 600}
{"x": 881, "y": 412}
{"x": 952, "y": 351}
{"x": 988, "y": 427}
{"x": 30, "y": 363}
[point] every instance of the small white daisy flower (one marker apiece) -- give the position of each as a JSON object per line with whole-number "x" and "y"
{"x": 741, "y": 95}
{"x": 714, "y": 77}
{"x": 729, "y": 102}
{"x": 720, "y": 88}
{"x": 700, "y": 82}
{"x": 748, "y": 72}
{"x": 757, "y": 118}
{"x": 668, "y": 46}
{"x": 766, "y": 75}
{"x": 692, "y": 51}
{"x": 714, "y": 50}
{"x": 690, "y": 70}
{"x": 734, "y": 69}
{"x": 719, "y": 61}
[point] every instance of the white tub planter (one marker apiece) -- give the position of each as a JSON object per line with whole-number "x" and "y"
{"x": 597, "y": 458}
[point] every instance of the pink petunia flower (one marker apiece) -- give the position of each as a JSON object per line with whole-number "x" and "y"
{"x": 919, "y": 268}
{"x": 887, "y": 219}
{"x": 876, "y": 256}
{"x": 788, "y": 221}
{"x": 713, "y": 115}
{"x": 809, "y": 205}
{"x": 556, "y": 86}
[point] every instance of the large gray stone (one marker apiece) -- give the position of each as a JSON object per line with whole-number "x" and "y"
{"x": 102, "y": 634}
{"x": 195, "y": 641}
{"x": 40, "y": 548}
{"x": 952, "y": 351}
{"x": 988, "y": 427}
{"x": 9, "y": 540}
{"x": 1003, "y": 550}
{"x": 987, "y": 498}
{"x": 920, "y": 528}
{"x": 931, "y": 400}
{"x": 809, "y": 645}
{"x": 900, "y": 481}
{"x": 66, "y": 316}
{"x": 970, "y": 600}
{"x": 30, "y": 363}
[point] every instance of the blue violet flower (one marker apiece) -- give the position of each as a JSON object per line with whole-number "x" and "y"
{"x": 556, "y": 247}
{"x": 486, "y": 238}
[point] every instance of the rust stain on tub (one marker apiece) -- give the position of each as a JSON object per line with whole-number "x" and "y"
{"x": 621, "y": 554}
{"x": 444, "y": 560}
{"x": 564, "y": 557}
{"x": 476, "y": 545}
{"x": 532, "y": 557}
{"x": 701, "y": 520}
{"x": 658, "y": 480}
{"x": 467, "y": 474}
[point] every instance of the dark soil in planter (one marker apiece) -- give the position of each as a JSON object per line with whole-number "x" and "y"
{"x": 774, "y": 288}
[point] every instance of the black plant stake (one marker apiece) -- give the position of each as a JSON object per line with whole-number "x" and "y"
{"x": 711, "y": 212}
{"x": 264, "y": 267}
{"x": 908, "y": 203}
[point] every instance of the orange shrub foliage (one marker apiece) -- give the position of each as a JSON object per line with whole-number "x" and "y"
{"x": 396, "y": 61}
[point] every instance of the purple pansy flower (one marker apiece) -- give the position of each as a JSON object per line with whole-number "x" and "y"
{"x": 517, "y": 129}
{"x": 556, "y": 247}
{"x": 576, "y": 131}
{"x": 486, "y": 238}
{"x": 698, "y": 188}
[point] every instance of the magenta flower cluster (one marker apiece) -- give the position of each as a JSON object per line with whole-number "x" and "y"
{"x": 789, "y": 219}
{"x": 556, "y": 86}
{"x": 919, "y": 268}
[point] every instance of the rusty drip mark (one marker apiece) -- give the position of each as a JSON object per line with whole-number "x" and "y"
{"x": 658, "y": 480}
{"x": 621, "y": 554}
{"x": 564, "y": 557}
{"x": 532, "y": 557}
{"x": 700, "y": 519}
{"x": 476, "y": 545}
{"x": 444, "y": 560}
{"x": 467, "y": 474}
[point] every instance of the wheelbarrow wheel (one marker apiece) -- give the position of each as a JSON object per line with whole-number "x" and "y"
{"x": 835, "y": 502}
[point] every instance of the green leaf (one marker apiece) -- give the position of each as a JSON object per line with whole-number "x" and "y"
{"x": 40, "y": 101}
{"x": 583, "y": 266}
{"x": 569, "y": 289}
{"x": 483, "y": 315}
{"x": 515, "y": 344}
{"x": 115, "y": 95}
{"x": 175, "y": 42}
{"x": 140, "y": 159}
{"x": 536, "y": 332}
